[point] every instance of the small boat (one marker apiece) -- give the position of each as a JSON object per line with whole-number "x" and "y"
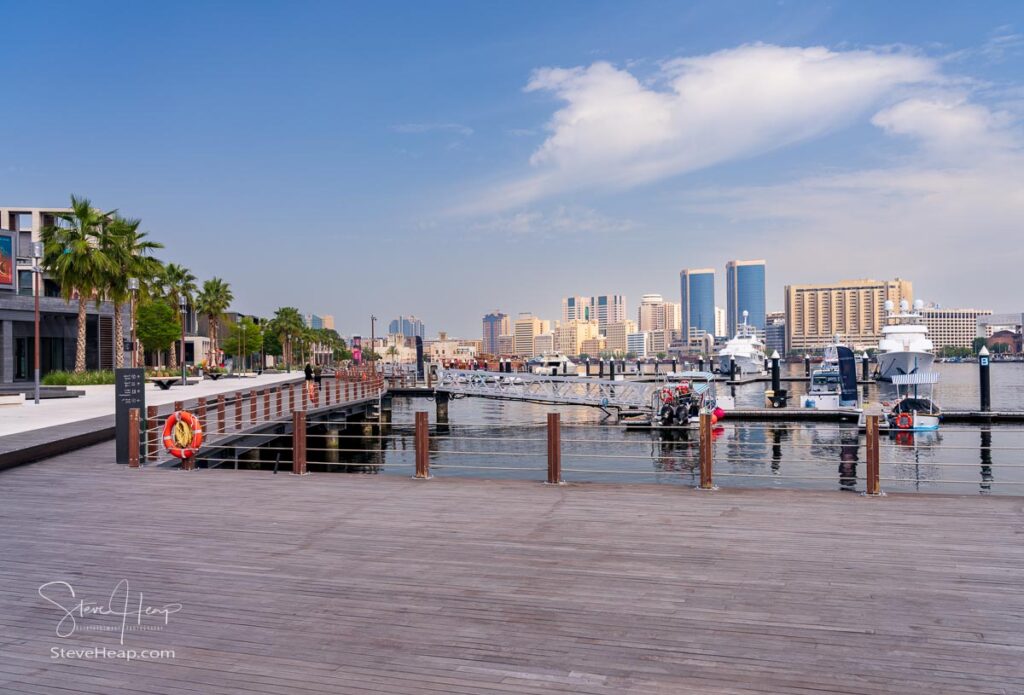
{"x": 746, "y": 350}
{"x": 553, "y": 364}
{"x": 914, "y": 409}
{"x": 904, "y": 347}
{"x": 682, "y": 398}
{"x": 833, "y": 386}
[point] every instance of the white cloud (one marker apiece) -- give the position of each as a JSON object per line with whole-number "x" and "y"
{"x": 949, "y": 126}
{"x": 616, "y": 131}
{"x": 456, "y": 128}
{"x": 559, "y": 222}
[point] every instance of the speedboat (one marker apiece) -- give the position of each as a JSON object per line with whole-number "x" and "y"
{"x": 553, "y": 364}
{"x": 904, "y": 347}
{"x": 684, "y": 396}
{"x": 746, "y": 350}
{"x": 833, "y": 386}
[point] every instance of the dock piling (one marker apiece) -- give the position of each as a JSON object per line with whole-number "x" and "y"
{"x": 422, "y": 441}
{"x": 299, "y": 442}
{"x": 554, "y": 449}
{"x": 133, "y": 438}
{"x": 872, "y": 485}
{"x": 985, "y": 380}
{"x": 706, "y": 452}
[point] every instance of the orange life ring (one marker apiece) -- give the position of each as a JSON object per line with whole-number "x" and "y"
{"x": 183, "y": 434}
{"x": 904, "y": 421}
{"x": 683, "y": 388}
{"x": 666, "y": 396}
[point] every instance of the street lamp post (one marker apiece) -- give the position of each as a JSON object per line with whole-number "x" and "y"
{"x": 37, "y": 270}
{"x": 183, "y": 303}
{"x": 133, "y": 287}
{"x": 373, "y": 325}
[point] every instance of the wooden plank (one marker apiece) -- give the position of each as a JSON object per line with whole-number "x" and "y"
{"x": 358, "y": 583}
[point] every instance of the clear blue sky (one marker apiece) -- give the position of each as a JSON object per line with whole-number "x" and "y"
{"x": 445, "y": 159}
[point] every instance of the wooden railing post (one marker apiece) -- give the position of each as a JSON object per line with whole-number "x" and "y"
{"x": 291, "y": 398}
{"x": 238, "y": 410}
{"x": 133, "y": 438}
{"x": 299, "y": 442}
{"x": 280, "y": 396}
{"x": 872, "y": 486}
{"x": 254, "y": 404}
{"x": 266, "y": 404}
{"x": 305, "y": 396}
{"x": 337, "y": 387}
{"x": 554, "y": 449}
{"x": 422, "y": 440}
{"x": 152, "y": 433}
{"x": 706, "y": 452}
{"x": 221, "y": 407}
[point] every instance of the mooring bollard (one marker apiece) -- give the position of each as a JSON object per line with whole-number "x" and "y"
{"x": 706, "y": 452}
{"x": 299, "y": 442}
{"x": 422, "y": 442}
{"x": 133, "y": 438}
{"x": 807, "y": 365}
{"x": 985, "y": 379}
{"x": 732, "y": 369}
{"x": 700, "y": 363}
{"x": 872, "y": 484}
{"x": 865, "y": 367}
{"x": 554, "y": 448}
{"x": 152, "y": 433}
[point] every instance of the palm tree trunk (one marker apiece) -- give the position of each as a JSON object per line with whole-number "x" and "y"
{"x": 172, "y": 356}
{"x": 80, "y": 343}
{"x": 118, "y": 336}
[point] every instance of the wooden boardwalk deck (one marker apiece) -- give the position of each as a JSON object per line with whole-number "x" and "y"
{"x": 337, "y": 583}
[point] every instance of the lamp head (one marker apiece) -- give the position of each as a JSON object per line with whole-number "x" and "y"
{"x": 182, "y": 302}
{"x": 133, "y": 284}
{"x": 37, "y": 250}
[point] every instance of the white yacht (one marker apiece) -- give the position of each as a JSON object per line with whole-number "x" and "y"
{"x": 826, "y": 389}
{"x": 553, "y": 364}
{"x": 904, "y": 347}
{"x": 746, "y": 349}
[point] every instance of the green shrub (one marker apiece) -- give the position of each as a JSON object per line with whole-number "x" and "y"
{"x": 58, "y": 378}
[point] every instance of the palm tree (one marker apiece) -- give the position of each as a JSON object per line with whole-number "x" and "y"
{"x": 287, "y": 324}
{"x": 177, "y": 282}
{"x": 129, "y": 251}
{"x": 212, "y": 301}
{"x": 74, "y": 256}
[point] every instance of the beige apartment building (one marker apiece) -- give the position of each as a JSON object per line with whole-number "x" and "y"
{"x": 594, "y": 346}
{"x": 855, "y": 309}
{"x": 570, "y": 336}
{"x": 952, "y": 327}
{"x": 616, "y": 335}
{"x": 506, "y": 344}
{"x": 527, "y": 328}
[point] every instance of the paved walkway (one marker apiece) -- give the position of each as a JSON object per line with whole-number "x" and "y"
{"x": 335, "y": 583}
{"x": 99, "y": 401}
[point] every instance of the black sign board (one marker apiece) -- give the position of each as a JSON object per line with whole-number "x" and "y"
{"x": 129, "y": 393}
{"x": 419, "y": 357}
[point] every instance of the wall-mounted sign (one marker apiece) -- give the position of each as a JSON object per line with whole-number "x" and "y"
{"x": 8, "y": 263}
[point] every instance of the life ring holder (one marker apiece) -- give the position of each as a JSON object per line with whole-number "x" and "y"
{"x": 176, "y": 448}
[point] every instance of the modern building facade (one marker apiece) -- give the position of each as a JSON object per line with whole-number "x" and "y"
{"x": 745, "y": 291}
{"x": 775, "y": 333}
{"x": 638, "y": 343}
{"x": 543, "y": 344}
{"x": 315, "y": 322}
{"x": 854, "y": 309}
{"x": 527, "y": 328}
{"x": 506, "y": 345}
{"x": 570, "y": 336}
{"x": 616, "y": 335}
{"x": 495, "y": 325}
{"x": 952, "y": 327}
{"x": 608, "y": 309}
{"x": 577, "y": 309}
{"x": 697, "y": 300}
{"x": 407, "y": 326}
{"x": 655, "y": 314}
{"x": 19, "y": 228}
{"x": 329, "y": 322}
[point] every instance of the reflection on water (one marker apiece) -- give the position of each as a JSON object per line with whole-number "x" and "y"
{"x": 495, "y": 438}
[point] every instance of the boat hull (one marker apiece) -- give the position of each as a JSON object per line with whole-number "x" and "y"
{"x": 744, "y": 364}
{"x": 903, "y": 362}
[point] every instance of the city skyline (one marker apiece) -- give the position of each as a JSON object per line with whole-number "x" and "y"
{"x": 897, "y": 154}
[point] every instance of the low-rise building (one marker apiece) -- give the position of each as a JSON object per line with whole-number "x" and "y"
{"x": 638, "y": 343}
{"x": 952, "y": 327}
{"x": 616, "y": 334}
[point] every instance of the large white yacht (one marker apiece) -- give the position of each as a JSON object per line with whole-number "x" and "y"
{"x": 746, "y": 349}
{"x": 553, "y": 364}
{"x": 904, "y": 347}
